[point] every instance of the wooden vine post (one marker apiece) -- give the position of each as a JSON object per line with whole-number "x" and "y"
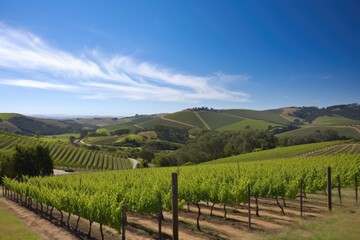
{"x": 123, "y": 222}
{"x": 329, "y": 188}
{"x": 249, "y": 206}
{"x": 175, "y": 216}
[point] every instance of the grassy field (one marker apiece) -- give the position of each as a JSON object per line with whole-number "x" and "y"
{"x": 186, "y": 117}
{"x": 158, "y": 121}
{"x": 342, "y": 130}
{"x": 335, "y": 121}
{"x": 342, "y": 223}
{"x": 103, "y": 140}
{"x": 61, "y": 137}
{"x": 5, "y": 116}
{"x": 273, "y": 116}
{"x": 254, "y": 124}
{"x": 217, "y": 119}
{"x": 12, "y": 228}
{"x": 129, "y": 123}
{"x": 279, "y": 152}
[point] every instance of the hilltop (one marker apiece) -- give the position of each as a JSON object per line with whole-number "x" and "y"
{"x": 25, "y": 125}
{"x": 284, "y": 122}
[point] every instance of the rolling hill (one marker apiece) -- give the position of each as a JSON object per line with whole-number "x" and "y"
{"x": 25, "y": 125}
{"x": 345, "y": 119}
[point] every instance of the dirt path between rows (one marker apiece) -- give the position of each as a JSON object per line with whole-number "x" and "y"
{"x": 39, "y": 226}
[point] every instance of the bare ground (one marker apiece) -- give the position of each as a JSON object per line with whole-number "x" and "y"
{"x": 39, "y": 226}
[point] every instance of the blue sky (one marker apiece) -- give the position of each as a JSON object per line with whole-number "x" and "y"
{"x": 127, "y": 57}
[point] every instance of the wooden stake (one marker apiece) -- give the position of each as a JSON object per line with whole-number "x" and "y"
{"x": 175, "y": 216}
{"x": 329, "y": 189}
{"x": 123, "y": 222}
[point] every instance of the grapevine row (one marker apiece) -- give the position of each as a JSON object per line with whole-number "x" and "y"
{"x": 65, "y": 155}
{"x": 100, "y": 196}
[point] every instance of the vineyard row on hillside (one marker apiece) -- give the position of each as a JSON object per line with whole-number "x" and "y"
{"x": 66, "y": 155}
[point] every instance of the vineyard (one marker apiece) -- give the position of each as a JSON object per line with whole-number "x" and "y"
{"x": 282, "y": 152}
{"x": 100, "y": 197}
{"x": 66, "y": 155}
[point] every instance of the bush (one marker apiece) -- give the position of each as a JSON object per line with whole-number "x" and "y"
{"x": 27, "y": 161}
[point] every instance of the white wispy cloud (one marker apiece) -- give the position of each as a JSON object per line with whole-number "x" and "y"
{"x": 39, "y": 84}
{"x": 96, "y": 76}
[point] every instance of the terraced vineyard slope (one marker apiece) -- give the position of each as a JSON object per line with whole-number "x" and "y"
{"x": 67, "y": 155}
{"x": 283, "y": 152}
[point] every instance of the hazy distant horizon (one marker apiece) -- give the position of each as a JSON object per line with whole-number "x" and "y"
{"x": 65, "y": 116}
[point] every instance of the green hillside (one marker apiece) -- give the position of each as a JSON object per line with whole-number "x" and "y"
{"x": 335, "y": 120}
{"x": 273, "y": 116}
{"x": 25, "y": 125}
{"x": 186, "y": 117}
{"x": 276, "y": 153}
{"x": 253, "y": 124}
{"x": 160, "y": 121}
{"x": 218, "y": 119}
{"x": 342, "y": 131}
{"x": 68, "y": 155}
{"x": 132, "y": 123}
{"x": 6, "y": 116}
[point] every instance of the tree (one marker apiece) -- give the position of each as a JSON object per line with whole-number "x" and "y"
{"x": 147, "y": 154}
{"x": 32, "y": 161}
{"x": 83, "y": 133}
{"x": 37, "y": 134}
{"x": 6, "y": 166}
{"x": 72, "y": 139}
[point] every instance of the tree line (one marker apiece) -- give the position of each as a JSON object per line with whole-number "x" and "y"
{"x": 351, "y": 111}
{"x": 26, "y": 161}
{"x": 209, "y": 145}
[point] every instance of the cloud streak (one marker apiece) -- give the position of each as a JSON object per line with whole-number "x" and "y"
{"x": 95, "y": 76}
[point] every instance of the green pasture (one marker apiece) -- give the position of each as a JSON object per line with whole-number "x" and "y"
{"x": 187, "y": 117}
{"x": 218, "y": 119}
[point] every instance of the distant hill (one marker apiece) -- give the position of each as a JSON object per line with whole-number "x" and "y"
{"x": 284, "y": 122}
{"x": 21, "y": 124}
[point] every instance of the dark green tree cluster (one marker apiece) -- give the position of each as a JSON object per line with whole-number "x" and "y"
{"x": 351, "y": 111}
{"x": 120, "y": 132}
{"x": 158, "y": 145}
{"x": 288, "y": 127}
{"x": 311, "y": 113}
{"x": 172, "y": 134}
{"x": 27, "y": 161}
{"x": 211, "y": 145}
{"x": 317, "y": 136}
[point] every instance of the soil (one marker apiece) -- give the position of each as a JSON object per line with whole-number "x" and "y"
{"x": 39, "y": 226}
{"x": 235, "y": 226}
